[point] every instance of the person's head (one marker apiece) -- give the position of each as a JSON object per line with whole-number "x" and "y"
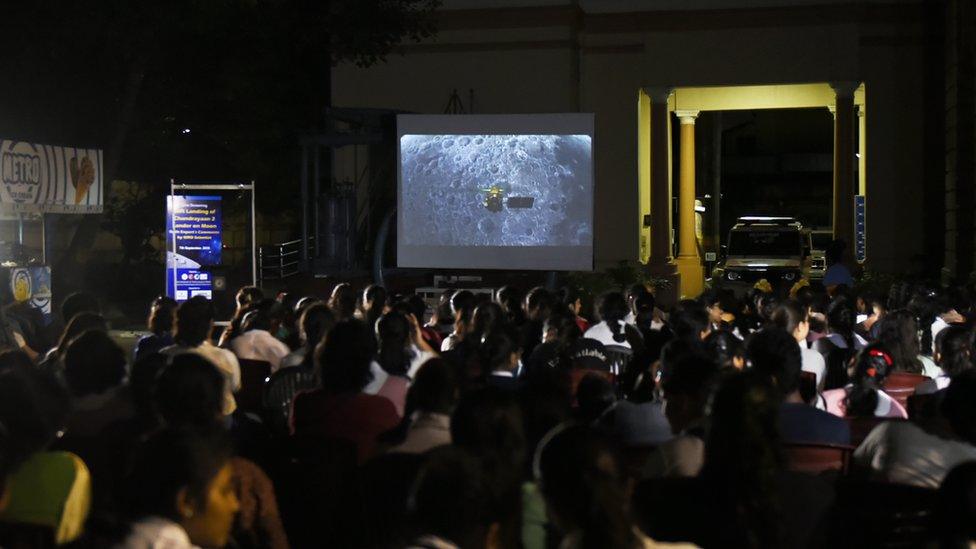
{"x": 93, "y": 364}
{"x": 449, "y": 498}
{"x": 774, "y": 353}
{"x": 463, "y": 303}
{"x": 959, "y": 405}
{"x": 594, "y": 395}
{"x": 33, "y": 409}
{"x": 78, "y": 302}
{"x": 898, "y": 333}
{"x": 393, "y": 335}
{"x": 374, "y": 302}
{"x": 344, "y": 357}
{"x": 612, "y": 310}
{"x": 500, "y": 350}
{"x": 635, "y": 291}
{"x": 956, "y": 507}
{"x": 953, "y": 349}
{"x": 561, "y": 327}
{"x": 571, "y": 299}
{"x": 510, "y": 298}
{"x": 644, "y": 307}
{"x": 80, "y": 323}
{"x": 434, "y": 388}
{"x": 488, "y": 422}
{"x": 792, "y": 317}
{"x": 194, "y": 321}
{"x": 579, "y": 474}
{"x": 872, "y": 366}
{"x": 263, "y": 315}
{"x": 162, "y": 314}
{"x": 248, "y": 295}
{"x": 343, "y": 301}
{"x": 686, "y": 387}
{"x": 690, "y": 321}
{"x": 539, "y": 303}
{"x": 712, "y": 301}
{"x": 487, "y": 318}
{"x": 315, "y": 322}
{"x": 841, "y": 318}
{"x": 189, "y": 392}
{"x": 416, "y": 305}
{"x": 727, "y": 349}
{"x": 185, "y": 476}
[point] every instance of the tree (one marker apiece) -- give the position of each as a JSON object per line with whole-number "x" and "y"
{"x": 216, "y": 89}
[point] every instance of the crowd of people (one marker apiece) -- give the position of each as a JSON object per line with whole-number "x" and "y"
{"x": 795, "y": 418}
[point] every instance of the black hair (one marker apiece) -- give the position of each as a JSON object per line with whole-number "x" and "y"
{"x": 634, "y": 291}
{"x": 688, "y": 320}
{"x": 926, "y": 304}
{"x": 710, "y": 297}
{"x": 416, "y": 305}
{"x": 162, "y": 315}
{"x": 82, "y": 322}
{"x": 594, "y": 395}
{"x": 343, "y": 301}
{"x": 78, "y": 302}
{"x": 189, "y": 392}
{"x": 898, "y": 333}
{"x": 449, "y": 498}
{"x": 374, "y": 303}
{"x": 776, "y": 355}
{"x": 692, "y": 376}
{"x": 510, "y": 299}
{"x": 959, "y": 405}
{"x": 171, "y": 460}
{"x": 248, "y": 295}
{"x": 954, "y": 345}
{"x": 566, "y": 329}
{"x": 261, "y": 316}
{"x": 393, "y": 334}
{"x": 743, "y": 458}
{"x": 433, "y": 390}
{"x": 142, "y": 384}
{"x": 724, "y": 347}
{"x": 568, "y": 296}
{"x": 34, "y": 407}
{"x": 344, "y": 357}
{"x": 539, "y": 302}
{"x": 644, "y": 307}
{"x": 462, "y": 306}
{"x": 315, "y": 323}
{"x": 581, "y": 480}
{"x": 873, "y": 365}
{"x": 956, "y": 507}
{"x": 93, "y": 363}
{"x": 841, "y": 319}
{"x": 487, "y": 318}
{"x": 194, "y": 321}
{"x": 788, "y": 315}
{"x": 613, "y": 309}
{"x": 497, "y": 348}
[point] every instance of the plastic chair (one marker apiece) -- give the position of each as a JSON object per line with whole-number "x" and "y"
{"x": 901, "y": 385}
{"x": 280, "y": 390}
{"x": 254, "y": 373}
{"x": 618, "y": 358}
{"x": 817, "y": 458}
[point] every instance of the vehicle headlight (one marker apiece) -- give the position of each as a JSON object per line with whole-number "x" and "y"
{"x": 789, "y": 276}
{"x": 732, "y": 275}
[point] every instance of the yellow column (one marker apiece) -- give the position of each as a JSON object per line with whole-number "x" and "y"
{"x": 659, "y": 260}
{"x": 688, "y": 263}
{"x": 844, "y": 187}
{"x": 862, "y": 150}
{"x": 644, "y": 174}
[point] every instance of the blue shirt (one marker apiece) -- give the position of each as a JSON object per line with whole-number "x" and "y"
{"x": 802, "y": 423}
{"x": 838, "y": 274}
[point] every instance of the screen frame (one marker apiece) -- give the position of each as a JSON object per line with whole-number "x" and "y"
{"x": 558, "y": 258}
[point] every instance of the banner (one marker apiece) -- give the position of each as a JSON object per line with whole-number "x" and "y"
{"x": 49, "y": 179}
{"x": 33, "y": 285}
{"x": 193, "y": 241}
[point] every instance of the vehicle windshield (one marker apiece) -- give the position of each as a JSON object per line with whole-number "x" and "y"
{"x": 769, "y": 243}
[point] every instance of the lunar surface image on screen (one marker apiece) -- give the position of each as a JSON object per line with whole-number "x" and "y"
{"x": 496, "y": 190}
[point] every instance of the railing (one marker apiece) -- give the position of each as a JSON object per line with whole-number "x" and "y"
{"x": 282, "y": 260}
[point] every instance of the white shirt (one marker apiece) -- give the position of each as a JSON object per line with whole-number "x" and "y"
{"x": 813, "y": 362}
{"x": 224, "y": 360}
{"x": 449, "y": 343}
{"x": 418, "y": 360}
{"x": 260, "y": 345}
{"x": 901, "y": 452}
{"x": 601, "y": 332}
{"x": 157, "y": 533}
{"x": 930, "y": 368}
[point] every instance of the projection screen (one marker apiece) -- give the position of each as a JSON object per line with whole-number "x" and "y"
{"x": 495, "y": 191}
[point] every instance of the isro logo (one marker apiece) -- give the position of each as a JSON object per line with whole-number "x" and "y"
{"x": 20, "y": 172}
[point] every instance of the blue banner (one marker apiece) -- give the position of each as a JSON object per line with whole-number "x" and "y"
{"x": 193, "y": 242}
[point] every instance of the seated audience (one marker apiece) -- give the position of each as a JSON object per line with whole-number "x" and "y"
{"x": 316, "y": 321}
{"x": 500, "y": 356}
{"x": 162, "y": 316}
{"x": 898, "y": 334}
{"x": 340, "y": 408}
{"x": 792, "y": 317}
{"x": 612, "y": 330}
{"x": 904, "y": 453}
{"x": 95, "y": 368}
{"x": 256, "y": 341}
{"x": 342, "y": 301}
{"x": 430, "y": 401}
{"x": 194, "y": 324}
{"x": 864, "y": 397}
{"x": 775, "y": 354}
{"x": 953, "y": 355}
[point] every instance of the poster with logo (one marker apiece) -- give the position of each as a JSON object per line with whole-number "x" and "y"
{"x": 49, "y": 179}
{"x": 193, "y": 242}
{"x": 33, "y": 285}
